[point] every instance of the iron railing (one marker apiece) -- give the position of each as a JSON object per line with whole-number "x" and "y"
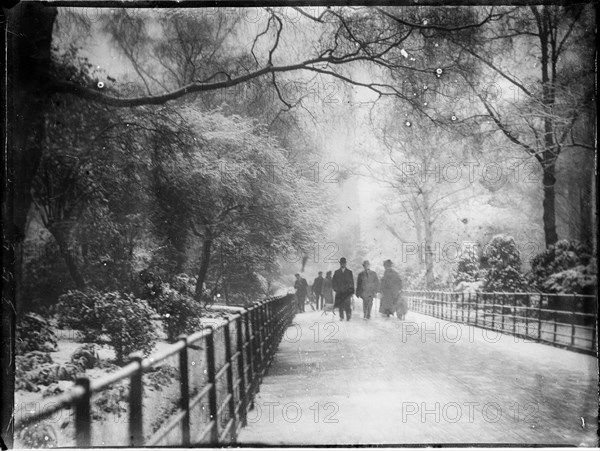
{"x": 568, "y": 321}
{"x": 220, "y": 370}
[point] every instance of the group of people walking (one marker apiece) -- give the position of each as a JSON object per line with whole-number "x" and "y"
{"x": 367, "y": 287}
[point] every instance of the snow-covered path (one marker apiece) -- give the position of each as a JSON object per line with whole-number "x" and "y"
{"x": 423, "y": 380}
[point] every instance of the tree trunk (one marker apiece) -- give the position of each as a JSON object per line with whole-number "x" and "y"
{"x": 549, "y": 181}
{"x": 29, "y": 38}
{"x": 204, "y": 264}
{"x": 427, "y": 223}
{"x": 60, "y": 236}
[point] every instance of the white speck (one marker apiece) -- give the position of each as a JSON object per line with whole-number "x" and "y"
{"x": 408, "y": 124}
{"x": 425, "y": 88}
{"x": 425, "y": 104}
{"x": 436, "y": 44}
{"x": 193, "y": 363}
{"x": 425, "y": 21}
{"x": 453, "y": 118}
{"x": 404, "y": 53}
{"x": 582, "y": 422}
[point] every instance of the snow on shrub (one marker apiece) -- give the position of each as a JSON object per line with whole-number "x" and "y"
{"x": 127, "y": 322}
{"x": 34, "y": 333}
{"x": 503, "y": 266}
{"x": 565, "y": 267}
{"x": 75, "y": 309}
{"x": 180, "y": 314}
{"x": 39, "y": 435}
{"x": 467, "y": 269}
{"x": 125, "y": 319}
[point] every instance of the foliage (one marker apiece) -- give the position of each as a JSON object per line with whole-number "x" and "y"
{"x": 179, "y": 312}
{"x": 162, "y": 377}
{"x": 38, "y": 435}
{"x": 76, "y": 309}
{"x": 34, "y": 333}
{"x": 125, "y": 319}
{"x": 45, "y": 276}
{"x": 127, "y": 322}
{"x": 576, "y": 280}
{"x": 32, "y": 360}
{"x": 503, "y": 262}
{"x": 85, "y": 356}
{"x": 467, "y": 269}
{"x": 566, "y": 267}
{"x": 110, "y": 399}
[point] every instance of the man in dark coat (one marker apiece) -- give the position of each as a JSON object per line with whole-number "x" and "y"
{"x": 317, "y": 289}
{"x": 391, "y": 287}
{"x": 301, "y": 287}
{"x": 367, "y": 287}
{"x": 343, "y": 285}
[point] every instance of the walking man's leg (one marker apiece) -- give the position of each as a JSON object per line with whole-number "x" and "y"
{"x": 348, "y": 306}
{"x": 368, "y": 307}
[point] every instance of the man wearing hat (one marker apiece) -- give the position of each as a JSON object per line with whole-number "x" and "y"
{"x": 343, "y": 285}
{"x": 367, "y": 285}
{"x": 317, "y": 289}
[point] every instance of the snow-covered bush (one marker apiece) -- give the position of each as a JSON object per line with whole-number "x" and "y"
{"x": 38, "y": 435}
{"x": 34, "y": 334}
{"x": 179, "y": 313}
{"x": 467, "y": 269}
{"x": 127, "y": 321}
{"x": 577, "y": 280}
{"x": 566, "y": 267}
{"x": 75, "y": 309}
{"x": 503, "y": 261}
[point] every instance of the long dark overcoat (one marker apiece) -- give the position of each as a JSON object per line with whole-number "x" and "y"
{"x": 390, "y": 287}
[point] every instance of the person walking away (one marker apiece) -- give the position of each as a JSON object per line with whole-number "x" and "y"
{"x": 402, "y": 304}
{"x": 301, "y": 287}
{"x": 317, "y": 289}
{"x": 367, "y": 285}
{"x": 343, "y": 285}
{"x": 391, "y": 285}
{"x": 327, "y": 290}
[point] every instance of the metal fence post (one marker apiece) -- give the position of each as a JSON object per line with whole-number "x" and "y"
{"x": 476, "y": 306}
{"x": 136, "y": 392}
{"x": 540, "y": 317}
{"x": 494, "y": 302}
{"x": 241, "y": 371}
{"x": 82, "y": 415}
{"x": 527, "y": 303}
{"x": 573, "y": 317}
{"x": 212, "y": 380}
{"x": 502, "y": 310}
{"x": 185, "y": 392}
{"x": 229, "y": 375}
{"x": 249, "y": 356}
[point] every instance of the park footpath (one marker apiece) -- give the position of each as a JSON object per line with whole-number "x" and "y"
{"x": 420, "y": 381}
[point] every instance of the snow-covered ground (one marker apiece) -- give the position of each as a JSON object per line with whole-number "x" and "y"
{"x": 418, "y": 381}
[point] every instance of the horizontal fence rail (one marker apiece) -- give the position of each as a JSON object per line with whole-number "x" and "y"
{"x": 568, "y": 321}
{"x": 219, "y": 369}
